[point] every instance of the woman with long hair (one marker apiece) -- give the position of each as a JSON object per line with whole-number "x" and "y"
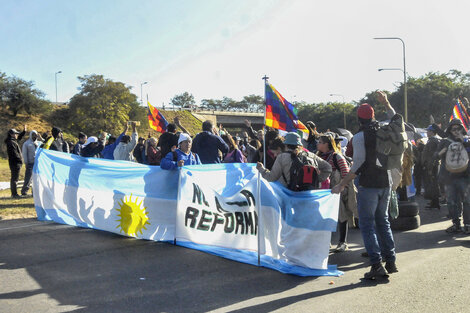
{"x": 331, "y": 152}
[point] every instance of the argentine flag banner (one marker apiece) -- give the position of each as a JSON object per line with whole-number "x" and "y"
{"x": 218, "y": 213}
{"x": 117, "y": 196}
{"x": 213, "y": 208}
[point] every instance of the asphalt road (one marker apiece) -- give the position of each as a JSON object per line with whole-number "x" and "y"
{"x": 47, "y": 267}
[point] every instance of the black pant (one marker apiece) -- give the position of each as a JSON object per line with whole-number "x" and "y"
{"x": 15, "y": 174}
{"x": 28, "y": 174}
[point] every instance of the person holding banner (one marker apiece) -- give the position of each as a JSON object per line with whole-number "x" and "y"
{"x": 331, "y": 152}
{"x": 181, "y": 156}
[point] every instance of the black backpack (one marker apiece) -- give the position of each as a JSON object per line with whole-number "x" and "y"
{"x": 303, "y": 175}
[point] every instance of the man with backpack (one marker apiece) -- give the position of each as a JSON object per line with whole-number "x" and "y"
{"x": 297, "y": 169}
{"x": 374, "y": 189}
{"x": 453, "y": 152}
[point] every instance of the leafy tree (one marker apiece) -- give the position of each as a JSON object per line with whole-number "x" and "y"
{"x": 328, "y": 115}
{"x": 102, "y": 105}
{"x": 19, "y": 95}
{"x": 211, "y": 104}
{"x": 253, "y": 102}
{"x": 434, "y": 93}
{"x": 184, "y": 100}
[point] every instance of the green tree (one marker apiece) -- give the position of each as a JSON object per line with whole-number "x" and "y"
{"x": 253, "y": 102}
{"x": 211, "y": 104}
{"x": 102, "y": 105}
{"x": 19, "y": 95}
{"x": 184, "y": 100}
{"x": 328, "y": 115}
{"x": 432, "y": 94}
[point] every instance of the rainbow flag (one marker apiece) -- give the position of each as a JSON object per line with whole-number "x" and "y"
{"x": 460, "y": 112}
{"x": 156, "y": 120}
{"x": 280, "y": 113}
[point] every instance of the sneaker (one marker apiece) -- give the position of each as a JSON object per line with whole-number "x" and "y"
{"x": 454, "y": 229}
{"x": 341, "y": 247}
{"x": 376, "y": 271}
{"x": 16, "y": 197}
{"x": 391, "y": 267}
{"x": 466, "y": 229}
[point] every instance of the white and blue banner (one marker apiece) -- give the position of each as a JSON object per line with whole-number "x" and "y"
{"x": 212, "y": 208}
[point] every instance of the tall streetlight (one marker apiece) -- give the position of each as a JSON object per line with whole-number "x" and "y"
{"x": 344, "y": 108}
{"x": 56, "y": 85}
{"x": 141, "y": 84}
{"x": 404, "y": 73}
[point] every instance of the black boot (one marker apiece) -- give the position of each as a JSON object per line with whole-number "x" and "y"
{"x": 376, "y": 271}
{"x": 391, "y": 267}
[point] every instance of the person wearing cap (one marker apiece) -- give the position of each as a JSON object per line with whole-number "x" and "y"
{"x": 208, "y": 143}
{"x": 29, "y": 155}
{"x": 93, "y": 146}
{"x": 430, "y": 162}
{"x": 373, "y": 193}
{"x": 15, "y": 160}
{"x": 181, "y": 156}
{"x": 456, "y": 185}
{"x": 124, "y": 149}
{"x": 281, "y": 167}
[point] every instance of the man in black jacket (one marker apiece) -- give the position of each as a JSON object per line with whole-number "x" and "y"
{"x": 15, "y": 161}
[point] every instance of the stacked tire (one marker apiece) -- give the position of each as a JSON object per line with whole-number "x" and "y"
{"x": 408, "y": 216}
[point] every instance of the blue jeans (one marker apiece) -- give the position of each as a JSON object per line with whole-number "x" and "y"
{"x": 458, "y": 196}
{"x": 372, "y": 206}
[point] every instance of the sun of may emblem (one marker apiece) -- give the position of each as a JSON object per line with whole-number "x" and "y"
{"x": 133, "y": 216}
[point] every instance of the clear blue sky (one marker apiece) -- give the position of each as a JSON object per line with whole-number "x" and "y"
{"x": 309, "y": 49}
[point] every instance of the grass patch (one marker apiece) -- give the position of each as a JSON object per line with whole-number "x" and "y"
{"x": 13, "y": 208}
{"x": 5, "y": 171}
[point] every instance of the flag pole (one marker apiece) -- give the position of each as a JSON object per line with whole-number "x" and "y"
{"x": 258, "y": 191}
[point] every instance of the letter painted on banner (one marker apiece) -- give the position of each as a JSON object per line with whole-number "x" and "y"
{"x": 191, "y": 214}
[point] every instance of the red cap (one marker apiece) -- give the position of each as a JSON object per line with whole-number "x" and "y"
{"x": 365, "y": 111}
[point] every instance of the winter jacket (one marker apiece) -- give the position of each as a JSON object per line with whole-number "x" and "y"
{"x": 29, "y": 148}
{"x": 168, "y": 162}
{"x": 13, "y": 149}
{"x": 108, "y": 151}
{"x": 124, "y": 150}
{"x": 207, "y": 146}
{"x": 92, "y": 152}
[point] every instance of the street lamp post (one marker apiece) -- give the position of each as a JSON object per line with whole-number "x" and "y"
{"x": 141, "y": 84}
{"x": 56, "y": 85}
{"x": 405, "y": 89}
{"x": 344, "y": 108}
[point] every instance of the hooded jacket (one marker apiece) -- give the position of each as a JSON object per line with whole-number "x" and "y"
{"x": 29, "y": 148}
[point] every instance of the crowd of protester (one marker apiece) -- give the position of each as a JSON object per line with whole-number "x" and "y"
{"x": 348, "y": 167}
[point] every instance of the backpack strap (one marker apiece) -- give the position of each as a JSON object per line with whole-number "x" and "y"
{"x": 335, "y": 161}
